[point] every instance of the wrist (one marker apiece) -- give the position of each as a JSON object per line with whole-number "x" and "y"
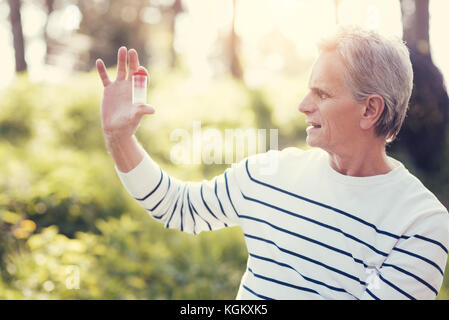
{"x": 114, "y": 137}
{"x": 125, "y": 151}
{"x": 117, "y": 142}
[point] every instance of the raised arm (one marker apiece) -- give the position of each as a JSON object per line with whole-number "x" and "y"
{"x": 187, "y": 206}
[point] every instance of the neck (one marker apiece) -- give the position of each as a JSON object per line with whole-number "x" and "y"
{"x": 362, "y": 161}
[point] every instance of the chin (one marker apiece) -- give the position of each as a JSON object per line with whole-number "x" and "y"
{"x": 311, "y": 142}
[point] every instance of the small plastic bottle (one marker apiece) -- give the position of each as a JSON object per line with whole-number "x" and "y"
{"x": 140, "y": 84}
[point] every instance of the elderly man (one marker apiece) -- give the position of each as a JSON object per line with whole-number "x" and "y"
{"x": 339, "y": 221}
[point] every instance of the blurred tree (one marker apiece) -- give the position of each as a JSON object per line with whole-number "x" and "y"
{"x": 112, "y": 24}
{"x": 233, "y": 47}
{"x": 49, "y": 6}
{"x": 423, "y": 134}
{"x": 337, "y": 4}
{"x": 17, "y": 32}
{"x": 174, "y": 10}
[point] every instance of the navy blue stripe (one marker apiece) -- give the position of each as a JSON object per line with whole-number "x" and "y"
{"x": 196, "y": 212}
{"x": 307, "y": 259}
{"x": 229, "y": 195}
{"x": 182, "y": 207}
{"x": 431, "y": 241}
{"x": 207, "y": 207}
{"x": 166, "y": 192}
{"x": 218, "y": 199}
{"x": 256, "y": 294}
{"x": 154, "y": 190}
{"x": 412, "y": 275}
{"x": 420, "y": 257}
{"x": 160, "y": 216}
{"x": 342, "y": 212}
{"x": 303, "y": 276}
{"x": 316, "y": 222}
{"x": 305, "y": 238}
{"x": 283, "y": 283}
{"x": 372, "y": 294}
{"x": 396, "y": 288}
{"x": 171, "y": 216}
{"x": 190, "y": 210}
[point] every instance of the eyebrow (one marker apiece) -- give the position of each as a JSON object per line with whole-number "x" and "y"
{"x": 317, "y": 89}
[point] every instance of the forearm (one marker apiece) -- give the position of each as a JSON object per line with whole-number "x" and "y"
{"x": 187, "y": 206}
{"x": 126, "y": 152}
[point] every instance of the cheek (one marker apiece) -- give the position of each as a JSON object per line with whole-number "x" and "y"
{"x": 338, "y": 121}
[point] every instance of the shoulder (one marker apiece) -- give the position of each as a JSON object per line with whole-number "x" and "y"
{"x": 426, "y": 215}
{"x": 417, "y": 197}
{"x": 428, "y": 234}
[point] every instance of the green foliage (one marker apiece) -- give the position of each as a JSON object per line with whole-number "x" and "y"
{"x": 16, "y": 113}
{"x": 132, "y": 258}
{"x": 62, "y": 204}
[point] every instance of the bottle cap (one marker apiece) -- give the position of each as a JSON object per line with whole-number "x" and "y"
{"x": 140, "y": 73}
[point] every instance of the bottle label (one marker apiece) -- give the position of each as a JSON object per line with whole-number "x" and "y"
{"x": 140, "y": 81}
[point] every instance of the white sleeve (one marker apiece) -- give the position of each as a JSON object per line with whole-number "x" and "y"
{"x": 414, "y": 268}
{"x": 191, "y": 207}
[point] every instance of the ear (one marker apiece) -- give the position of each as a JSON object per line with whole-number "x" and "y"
{"x": 371, "y": 111}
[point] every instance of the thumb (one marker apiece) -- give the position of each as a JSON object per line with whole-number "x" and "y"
{"x": 143, "y": 109}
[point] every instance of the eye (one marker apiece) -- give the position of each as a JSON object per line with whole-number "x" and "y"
{"x": 322, "y": 95}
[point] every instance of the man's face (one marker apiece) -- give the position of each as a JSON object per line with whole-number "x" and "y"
{"x": 330, "y": 109}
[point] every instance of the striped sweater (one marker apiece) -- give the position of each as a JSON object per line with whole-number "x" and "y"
{"x": 310, "y": 232}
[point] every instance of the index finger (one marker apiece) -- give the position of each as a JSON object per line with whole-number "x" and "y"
{"x": 102, "y": 72}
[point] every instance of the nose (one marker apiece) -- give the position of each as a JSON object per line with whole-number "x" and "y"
{"x": 307, "y": 105}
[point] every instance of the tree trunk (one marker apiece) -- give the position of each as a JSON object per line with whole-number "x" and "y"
{"x": 17, "y": 32}
{"x": 49, "y": 6}
{"x": 234, "y": 63}
{"x": 423, "y": 134}
{"x": 415, "y": 24}
{"x": 176, "y": 9}
{"x": 337, "y": 4}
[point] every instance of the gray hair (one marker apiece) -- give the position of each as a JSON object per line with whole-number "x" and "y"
{"x": 375, "y": 64}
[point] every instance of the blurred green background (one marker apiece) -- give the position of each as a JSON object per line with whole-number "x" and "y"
{"x": 69, "y": 230}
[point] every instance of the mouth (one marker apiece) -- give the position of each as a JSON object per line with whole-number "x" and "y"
{"x": 313, "y": 125}
{"x": 312, "y": 128}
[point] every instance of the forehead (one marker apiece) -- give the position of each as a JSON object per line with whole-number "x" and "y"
{"x": 328, "y": 72}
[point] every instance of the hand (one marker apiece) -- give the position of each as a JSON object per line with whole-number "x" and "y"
{"x": 119, "y": 117}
